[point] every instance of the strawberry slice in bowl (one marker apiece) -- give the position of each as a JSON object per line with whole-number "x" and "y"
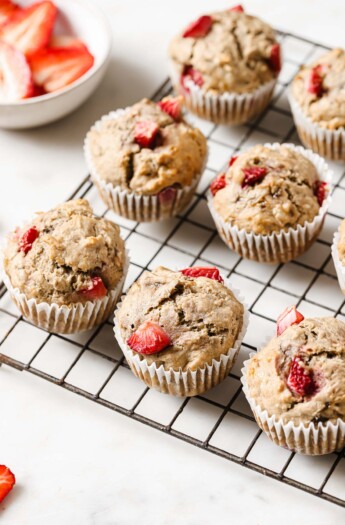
{"x": 7, "y": 10}
{"x": 15, "y": 75}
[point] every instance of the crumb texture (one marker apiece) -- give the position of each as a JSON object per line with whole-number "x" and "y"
{"x": 201, "y": 316}
{"x": 234, "y": 55}
{"x": 73, "y": 246}
{"x": 176, "y": 160}
{"x": 319, "y": 345}
{"x": 341, "y": 244}
{"x": 284, "y": 198}
{"x": 328, "y": 108}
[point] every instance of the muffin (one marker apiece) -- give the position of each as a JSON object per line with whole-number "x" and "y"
{"x": 317, "y": 99}
{"x": 180, "y": 331}
{"x": 271, "y": 202}
{"x": 295, "y": 384}
{"x": 146, "y": 160}
{"x": 225, "y": 65}
{"x": 65, "y": 269}
{"x": 338, "y": 254}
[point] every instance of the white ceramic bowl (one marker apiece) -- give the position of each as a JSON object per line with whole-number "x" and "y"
{"x": 87, "y": 22}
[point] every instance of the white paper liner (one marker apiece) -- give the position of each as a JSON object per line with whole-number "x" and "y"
{"x": 283, "y": 246}
{"x": 139, "y": 208}
{"x": 326, "y": 142}
{"x": 75, "y": 318}
{"x": 184, "y": 383}
{"x": 311, "y": 439}
{"x": 339, "y": 267}
{"x": 225, "y": 108}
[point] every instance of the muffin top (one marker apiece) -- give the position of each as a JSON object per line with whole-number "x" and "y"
{"x": 299, "y": 375}
{"x": 268, "y": 190}
{"x": 341, "y": 243}
{"x": 319, "y": 89}
{"x": 191, "y": 320}
{"x": 65, "y": 255}
{"x": 146, "y": 150}
{"x": 229, "y": 50}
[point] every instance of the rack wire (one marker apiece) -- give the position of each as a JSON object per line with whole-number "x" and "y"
{"x": 220, "y": 421}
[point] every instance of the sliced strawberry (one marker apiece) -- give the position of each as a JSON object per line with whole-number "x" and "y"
{"x": 30, "y": 29}
{"x": 56, "y": 68}
{"x": 192, "y": 74}
{"x": 301, "y": 379}
{"x": 320, "y": 191}
{"x": 232, "y": 160}
{"x": 149, "y": 338}
{"x": 96, "y": 290}
{"x": 218, "y": 184}
{"x": 15, "y": 75}
{"x": 167, "y": 196}
{"x": 38, "y": 91}
{"x": 66, "y": 41}
{"x": 201, "y": 271}
{"x": 199, "y": 28}
{"x": 7, "y": 481}
{"x": 27, "y": 239}
{"x": 145, "y": 133}
{"x": 275, "y": 58}
{"x": 171, "y": 106}
{"x": 287, "y": 318}
{"x": 7, "y": 10}
{"x": 253, "y": 175}
{"x": 238, "y": 8}
{"x": 315, "y": 81}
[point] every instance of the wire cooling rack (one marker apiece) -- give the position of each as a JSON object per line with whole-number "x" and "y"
{"x": 91, "y": 364}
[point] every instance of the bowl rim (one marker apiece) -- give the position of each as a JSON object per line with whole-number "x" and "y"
{"x": 47, "y": 97}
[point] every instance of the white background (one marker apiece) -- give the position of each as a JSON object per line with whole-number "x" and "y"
{"x": 76, "y": 462}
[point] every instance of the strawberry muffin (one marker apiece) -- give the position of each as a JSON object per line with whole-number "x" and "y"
{"x": 146, "y": 160}
{"x": 65, "y": 269}
{"x": 317, "y": 99}
{"x": 180, "y": 331}
{"x": 271, "y": 202}
{"x": 225, "y": 65}
{"x": 295, "y": 384}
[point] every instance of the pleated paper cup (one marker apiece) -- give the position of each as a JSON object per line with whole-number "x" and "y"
{"x": 131, "y": 205}
{"x": 339, "y": 267}
{"x": 285, "y": 245}
{"x": 313, "y": 439}
{"x": 326, "y": 142}
{"x": 224, "y": 108}
{"x": 183, "y": 383}
{"x": 77, "y": 317}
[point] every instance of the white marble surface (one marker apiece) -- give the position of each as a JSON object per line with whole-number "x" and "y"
{"x": 76, "y": 462}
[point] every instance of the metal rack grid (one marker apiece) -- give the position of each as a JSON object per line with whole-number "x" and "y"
{"x": 91, "y": 364}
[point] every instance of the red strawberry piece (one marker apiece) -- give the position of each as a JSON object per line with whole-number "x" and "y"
{"x": 192, "y": 74}
{"x": 287, "y": 318}
{"x": 320, "y": 191}
{"x": 171, "y": 106}
{"x": 232, "y": 160}
{"x": 7, "y": 10}
{"x": 199, "y": 28}
{"x": 301, "y": 379}
{"x": 253, "y": 174}
{"x": 27, "y": 239}
{"x": 315, "y": 81}
{"x": 66, "y": 41}
{"x": 167, "y": 196}
{"x": 15, "y": 75}
{"x": 145, "y": 133}
{"x": 149, "y": 338}
{"x": 30, "y": 29}
{"x": 218, "y": 184}
{"x": 38, "y": 91}
{"x": 7, "y": 481}
{"x": 96, "y": 290}
{"x": 238, "y": 8}
{"x": 200, "y": 271}
{"x": 56, "y": 68}
{"x": 275, "y": 58}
